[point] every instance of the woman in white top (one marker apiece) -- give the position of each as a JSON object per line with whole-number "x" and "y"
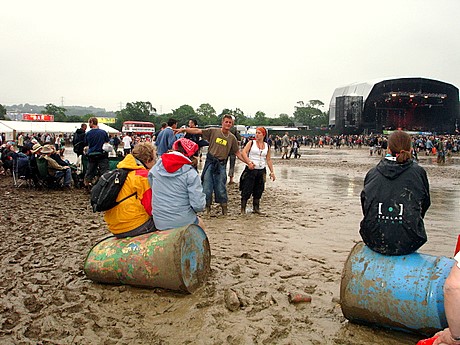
{"x": 252, "y": 181}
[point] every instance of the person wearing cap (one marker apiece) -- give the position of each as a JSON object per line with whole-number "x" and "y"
{"x": 177, "y": 194}
{"x": 222, "y": 143}
{"x": 252, "y": 181}
{"x": 133, "y": 216}
{"x": 55, "y": 169}
{"x": 451, "y": 335}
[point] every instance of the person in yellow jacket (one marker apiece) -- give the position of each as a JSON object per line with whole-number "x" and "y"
{"x": 133, "y": 216}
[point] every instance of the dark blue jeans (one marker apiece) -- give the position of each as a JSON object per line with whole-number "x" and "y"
{"x": 214, "y": 179}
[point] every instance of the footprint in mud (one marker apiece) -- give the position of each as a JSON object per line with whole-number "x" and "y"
{"x": 32, "y": 304}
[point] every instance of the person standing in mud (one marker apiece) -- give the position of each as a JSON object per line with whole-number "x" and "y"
{"x": 252, "y": 181}
{"x": 285, "y": 142}
{"x": 232, "y": 157}
{"x": 214, "y": 175}
{"x": 98, "y": 159}
{"x": 78, "y": 140}
{"x": 394, "y": 201}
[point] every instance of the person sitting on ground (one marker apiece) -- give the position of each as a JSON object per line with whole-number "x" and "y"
{"x": 394, "y": 201}
{"x": 176, "y": 186}
{"x": 133, "y": 216}
{"x": 55, "y": 169}
{"x": 451, "y": 335}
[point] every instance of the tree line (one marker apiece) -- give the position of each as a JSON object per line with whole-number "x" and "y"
{"x": 305, "y": 114}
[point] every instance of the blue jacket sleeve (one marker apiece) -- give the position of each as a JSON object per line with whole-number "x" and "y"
{"x": 195, "y": 191}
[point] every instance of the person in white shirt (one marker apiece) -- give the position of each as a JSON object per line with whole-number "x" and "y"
{"x": 127, "y": 144}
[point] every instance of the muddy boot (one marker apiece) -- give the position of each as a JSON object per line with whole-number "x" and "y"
{"x": 244, "y": 202}
{"x": 224, "y": 209}
{"x": 256, "y": 206}
{"x": 208, "y": 210}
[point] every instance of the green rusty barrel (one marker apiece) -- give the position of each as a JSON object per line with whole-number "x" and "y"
{"x": 176, "y": 259}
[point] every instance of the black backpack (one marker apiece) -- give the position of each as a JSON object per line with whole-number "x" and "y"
{"x": 104, "y": 194}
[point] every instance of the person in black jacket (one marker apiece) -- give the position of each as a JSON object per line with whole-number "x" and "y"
{"x": 79, "y": 140}
{"x": 394, "y": 201}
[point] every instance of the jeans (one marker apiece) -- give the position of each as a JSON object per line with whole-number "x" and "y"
{"x": 67, "y": 173}
{"x": 214, "y": 180}
{"x": 231, "y": 169}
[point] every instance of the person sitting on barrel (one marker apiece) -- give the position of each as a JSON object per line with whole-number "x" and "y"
{"x": 133, "y": 216}
{"x": 176, "y": 186}
{"x": 394, "y": 201}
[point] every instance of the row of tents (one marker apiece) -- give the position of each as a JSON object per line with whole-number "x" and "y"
{"x": 13, "y": 128}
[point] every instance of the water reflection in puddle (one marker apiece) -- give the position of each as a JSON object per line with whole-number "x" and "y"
{"x": 344, "y": 191}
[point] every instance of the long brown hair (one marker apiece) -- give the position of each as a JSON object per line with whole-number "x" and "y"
{"x": 399, "y": 144}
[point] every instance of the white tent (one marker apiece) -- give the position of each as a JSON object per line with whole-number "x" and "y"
{"x": 12, "y": 128}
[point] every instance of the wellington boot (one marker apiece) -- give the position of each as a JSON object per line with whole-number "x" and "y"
{"x": 256, "y": 206}
{"x": 244, "y": 203}
{"x": 224, "y": 209}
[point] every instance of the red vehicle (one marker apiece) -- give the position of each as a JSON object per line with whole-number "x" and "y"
{"x": 138, "y": 128}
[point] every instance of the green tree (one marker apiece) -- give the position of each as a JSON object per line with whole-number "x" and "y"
{"x": 240, "y": 118}
{"x": 58, "y": 112}
{"x": 260, "y": 118}
{"x": 183, "y": 114}
{"x": 135, "y": 111}
{"x": 281, "y": 120}
{"x": 206, "y": 115}
{"x": 315, "y": 103}
{"x": 308, "y": 114}
{"x": 2, "y": 112}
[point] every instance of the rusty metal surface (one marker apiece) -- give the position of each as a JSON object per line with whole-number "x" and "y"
{"x": 177, "y": 259}
{"x": 399, "y": 292}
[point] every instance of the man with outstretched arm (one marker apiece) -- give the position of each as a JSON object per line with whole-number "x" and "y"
{"x": 222, "y": 143}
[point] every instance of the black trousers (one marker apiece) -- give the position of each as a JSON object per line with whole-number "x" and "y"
{"x": 252, "y": 182}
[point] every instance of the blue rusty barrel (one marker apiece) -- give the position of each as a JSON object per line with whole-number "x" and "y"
{"x": 399, "y": 292}
{"x": 177, "y": 259}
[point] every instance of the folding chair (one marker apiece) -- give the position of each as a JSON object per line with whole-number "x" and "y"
{"x": 20, "y": 177}
{"x": 46, "y": 179}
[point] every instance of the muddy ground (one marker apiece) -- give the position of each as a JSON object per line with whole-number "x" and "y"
{"x": 299, "y": 245}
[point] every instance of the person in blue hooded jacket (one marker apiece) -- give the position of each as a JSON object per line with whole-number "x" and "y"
{"x": 177, "y": 194}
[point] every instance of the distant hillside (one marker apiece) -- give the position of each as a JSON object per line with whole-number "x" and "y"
{"x": 72, "y": 110}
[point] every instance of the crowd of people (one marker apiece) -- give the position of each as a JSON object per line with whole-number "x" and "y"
{"x": 164, "y": 189}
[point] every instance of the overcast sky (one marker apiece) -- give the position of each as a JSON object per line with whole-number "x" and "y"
{"x": 254, "y": 55}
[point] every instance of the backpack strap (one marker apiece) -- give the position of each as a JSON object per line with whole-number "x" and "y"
{"x": 126, "y": 197}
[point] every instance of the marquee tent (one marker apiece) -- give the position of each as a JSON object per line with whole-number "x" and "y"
{"x": 12, "y": 128}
